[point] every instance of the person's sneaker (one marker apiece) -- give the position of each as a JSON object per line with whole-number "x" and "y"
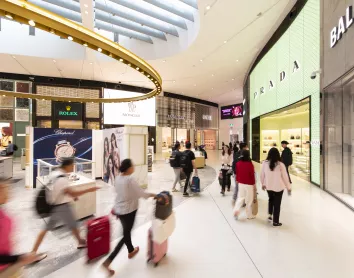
{"x": 228, "y": 189}
{"x": 185, "y": 195}
{"x": 277, "y": 224}
{"x": 270, "y": 218}
{"x": 175, "y": 190}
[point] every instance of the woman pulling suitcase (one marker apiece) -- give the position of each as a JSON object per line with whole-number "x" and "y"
{"x": 126, "y": 206}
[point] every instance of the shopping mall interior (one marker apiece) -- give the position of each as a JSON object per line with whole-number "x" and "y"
{"x": 121, "y": 123}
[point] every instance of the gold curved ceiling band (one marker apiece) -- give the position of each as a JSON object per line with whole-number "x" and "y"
{"x": 23, "y": 12}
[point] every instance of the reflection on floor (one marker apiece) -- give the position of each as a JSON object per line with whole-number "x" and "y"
{"x": 60, "y": 245}
{"x": 347, "y": 198}
{"x": 315, "y": 241}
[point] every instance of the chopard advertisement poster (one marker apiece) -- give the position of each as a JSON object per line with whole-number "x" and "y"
{"x": 58, "y": 143}
{"x": 112, "y": 147}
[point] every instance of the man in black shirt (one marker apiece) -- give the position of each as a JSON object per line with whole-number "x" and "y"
{"x": 188, "y": 164}
{"x": 286, "y": 157}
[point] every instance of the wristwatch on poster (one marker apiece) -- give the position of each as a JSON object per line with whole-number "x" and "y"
{"x": 64, "y": 149}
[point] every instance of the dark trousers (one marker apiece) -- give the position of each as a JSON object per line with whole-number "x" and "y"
{"x": 274, "y": 204}
{"x": 127, "y": 221}
{"x": 287, "y": 170}
{"x": 226, "y": 180}
{"x": 188, "y": 180}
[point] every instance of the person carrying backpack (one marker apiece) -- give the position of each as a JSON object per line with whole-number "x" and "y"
{"x": 188, "y": 165}
{"x": 59, "y": 196}
{"x": 176, "y": 165}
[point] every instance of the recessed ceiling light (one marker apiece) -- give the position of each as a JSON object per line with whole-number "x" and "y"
{"x": 32, "y": 23}
{"x": 137, "y": 68}
{"x": 54, "y": 61}
{"x": 99, "y": 49}
{"x": 225, "y": 41}
{"x": 233, "y": 79}
{"x": 121, "y": 60}
{"x": 201, "y": 60}
{"x": 212, "y": 75}
{"x": 86, "y": 12}
{"x": 236, "y": 60}
{"x": 208, "y": 8}
{"x": 164, "y": 61}
{"x": 174, "y": 81}
{"x": 85, "y": 44}
{"x": 90, "y": 63}
{"x": 195, "y": 85}
{"x": 86, "y": 6}
{"x": 52, "y": 31}
{"x": 70, "y": 38}
{"x": 9, "y": 16}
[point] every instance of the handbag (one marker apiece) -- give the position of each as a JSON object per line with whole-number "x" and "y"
{"x": 298, "y": 137}
{"x": 255, "y": 206}
{"x": 229, "y": 172}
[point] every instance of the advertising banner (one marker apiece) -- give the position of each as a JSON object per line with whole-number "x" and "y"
{"x": 112, "y": 153}
{"x": 59, "y": 143}
{"x": 231, "y": 111}
{"x": 129, "y": 113}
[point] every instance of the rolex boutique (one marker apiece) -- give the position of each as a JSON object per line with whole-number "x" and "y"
{"x": 337, "y": 102}
{"x": 284, "y": 100}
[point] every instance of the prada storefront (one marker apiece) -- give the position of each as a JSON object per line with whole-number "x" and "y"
{"x": 183, "y": 120}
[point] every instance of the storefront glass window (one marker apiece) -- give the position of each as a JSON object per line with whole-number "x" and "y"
{"x": 339, "y": 140}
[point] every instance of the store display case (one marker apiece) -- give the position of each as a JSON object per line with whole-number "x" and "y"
{"x": 199, "y": 159}
{"x": 83, "y": 177}
{"x": 269, "y": 139}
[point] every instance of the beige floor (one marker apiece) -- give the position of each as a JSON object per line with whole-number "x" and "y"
{"x": 315, "y": 241}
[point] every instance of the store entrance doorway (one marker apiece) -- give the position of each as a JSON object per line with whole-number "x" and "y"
{"x": 289, "y": 124}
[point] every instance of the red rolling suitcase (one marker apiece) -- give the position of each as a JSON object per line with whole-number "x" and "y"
{"x": 156, "y": 251}
{"x": 98, "y": 237}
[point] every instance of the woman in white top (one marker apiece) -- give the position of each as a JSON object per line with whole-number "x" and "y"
{"x": 226, "y": 162}
{"x": 126, "y": 205}
{"x": 274, "y": 179}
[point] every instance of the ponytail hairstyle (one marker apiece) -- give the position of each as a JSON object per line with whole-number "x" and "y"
{"x": 125, "y": 165}
{"x": 273, "y": 158}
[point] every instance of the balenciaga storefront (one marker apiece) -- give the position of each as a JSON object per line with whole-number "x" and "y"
{"x": 338, "y": 99}
{"x": 284, "y": 92}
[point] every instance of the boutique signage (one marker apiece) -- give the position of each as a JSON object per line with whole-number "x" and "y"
{"x": 175, "y": 117}
{"x": 68, "y": 111}
{"x": 207, "y": 117}
{"x": 282, "y": 76}
{"x": 344, "y": 23}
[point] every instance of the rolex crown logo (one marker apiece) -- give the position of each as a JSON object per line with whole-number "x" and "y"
{"x": 68, "y": 108}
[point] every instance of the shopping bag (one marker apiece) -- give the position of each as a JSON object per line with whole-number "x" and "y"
{"x": 255, "y": 207}
{"x": 195, "y": 187}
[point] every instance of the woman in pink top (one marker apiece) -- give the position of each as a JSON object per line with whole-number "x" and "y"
{"x": 274, "y": 179}
{"x": 10, "y": 264}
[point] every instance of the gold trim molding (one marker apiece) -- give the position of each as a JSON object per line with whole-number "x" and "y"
{"x": 26, "y": 13}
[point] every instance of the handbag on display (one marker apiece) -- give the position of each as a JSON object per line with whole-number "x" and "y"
{"x": 270, "y": 137}
{"x": 292, "y": 137}
{"x": 264, "y": 151}
{"x": 298, "y": 137}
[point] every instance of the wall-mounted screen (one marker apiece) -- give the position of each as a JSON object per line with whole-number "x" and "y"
{"x": 128, "y": 113}
{"x": 231, "y": 111}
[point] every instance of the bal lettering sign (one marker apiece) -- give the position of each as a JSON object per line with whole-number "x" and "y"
{"x": 282, "y": 77}
{"x": 344, "y": 23}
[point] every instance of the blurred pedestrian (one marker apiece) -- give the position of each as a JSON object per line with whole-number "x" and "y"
{"x": 226, "y": 161}
{"x": 126, "y": 206}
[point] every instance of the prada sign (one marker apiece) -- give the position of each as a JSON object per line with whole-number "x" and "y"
{"x": 343, "y": 25}
{"x": 282, "y": 76}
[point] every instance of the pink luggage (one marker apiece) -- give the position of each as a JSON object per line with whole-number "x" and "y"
{"x": 156, "y": 251}
{"x": 98, "y": 237}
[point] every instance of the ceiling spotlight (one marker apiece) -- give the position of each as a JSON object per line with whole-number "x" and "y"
{"x": 137, "y": 68}
{"x": 52, "y": 31}
{"x": 9, "y": 16}
{"x": 3, "y": 95}
{"x": 212, "y": 75}
{"x": 129, "y": 65}
{"x": 99, "y": 49}
{"x": 54, "y": 61}
{"x": 233, "y": 79}
{"x": 70, "y": 38}
{"x": 90, "y": 63}
{"x": 208, "y": 8}
{"x": 236, "y": 60}
{"x": 43, "y": 99}
{"x": 148, "y": 75}
{"x": 225, "y": 41}
{"x": 195, "y": 85}
{"x": 164, "y": 61}
{"x": 174, "y": 81}
{"x": 85, "y": 44}
{"x": 86, "y": 12}
{"x": 201, "y": 60}
{"x": 32, "y": 23}
{"x": 121, "y": 60}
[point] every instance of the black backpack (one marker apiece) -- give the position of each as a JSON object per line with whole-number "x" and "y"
{"x": 43, "y": 208}
{"x": 174, "y": 160}
{"x": 185, "y": 160}
{"x": 15, "y": 148}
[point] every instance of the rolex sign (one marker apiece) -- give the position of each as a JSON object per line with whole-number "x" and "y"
{"x": 68, "y": 111}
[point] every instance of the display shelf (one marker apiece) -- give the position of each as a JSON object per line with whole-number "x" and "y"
{"x": 269, "y": 139}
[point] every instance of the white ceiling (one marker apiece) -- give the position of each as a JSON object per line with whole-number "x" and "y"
{"x": 209, "y": 69}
